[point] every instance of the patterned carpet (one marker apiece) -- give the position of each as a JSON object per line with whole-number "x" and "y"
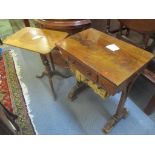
{"x": 4, "y": 90}
{"x": 86, "y": 115}
{"x": 11, "y": 94}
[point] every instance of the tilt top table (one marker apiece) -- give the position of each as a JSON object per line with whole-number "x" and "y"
{"x": 40, "y": 41}
{"x": 107, "y": 62}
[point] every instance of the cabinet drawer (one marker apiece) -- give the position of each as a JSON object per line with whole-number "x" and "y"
{"x": 85, "y": 70}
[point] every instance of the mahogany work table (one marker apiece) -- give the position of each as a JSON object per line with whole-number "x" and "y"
{"x": 40, "y": 41}
{"x": 113, "y": 68}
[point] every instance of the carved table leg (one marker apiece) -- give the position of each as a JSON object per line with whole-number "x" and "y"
{"x": 121, "y": 112}
{"x": 56, "y": 72}
{"x": 49, "y": 72}
{"x": 78, "y": 88}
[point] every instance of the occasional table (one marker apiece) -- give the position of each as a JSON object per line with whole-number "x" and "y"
{"x": 71, "y": 26}
{"x": 41, "y": 41}
{"x": 105, "y": 64}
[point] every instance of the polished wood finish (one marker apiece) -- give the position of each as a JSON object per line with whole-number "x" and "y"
{"x": 113, "y": 71}
{"x": 140, "y": 25}
{"x": 68, "y": 25}
{"x": 34, "y": 39}
{"x": 41, "y": 41}
{"x": 116, "y": 68}
{"x": 83, "y": 68}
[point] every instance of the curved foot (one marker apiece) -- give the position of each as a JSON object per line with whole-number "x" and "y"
{"x": 109, "y": 125}
{"x": 42, "y": 75}
{"x": 115, "y": 118}
{"x": 72, "y": 96}
{"x": 77, "y": 89}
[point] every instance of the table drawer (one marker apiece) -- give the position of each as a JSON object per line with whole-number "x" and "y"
{"x": 85, "y": 70}
{"x": 107, "y": 85}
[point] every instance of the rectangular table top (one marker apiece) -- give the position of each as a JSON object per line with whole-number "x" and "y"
{"x": 35, "y": 39}
{"x": 89, "y": 47}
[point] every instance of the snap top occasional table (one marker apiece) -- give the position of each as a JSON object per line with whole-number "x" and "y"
{"x": 71, "y": 26}
{"x": 104, "y": 63}
{"x": 41, "y": 41}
